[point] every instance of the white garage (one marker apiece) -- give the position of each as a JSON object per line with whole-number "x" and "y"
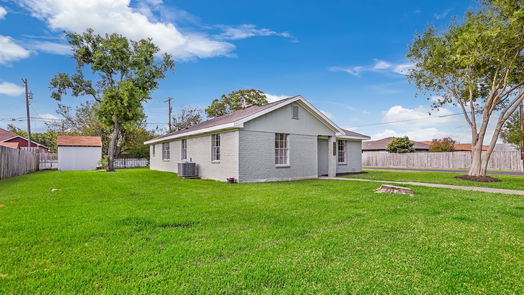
{"x": 79, "y": 152}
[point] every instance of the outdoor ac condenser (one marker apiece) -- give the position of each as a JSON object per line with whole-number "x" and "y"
{"x": 187, "y": 170}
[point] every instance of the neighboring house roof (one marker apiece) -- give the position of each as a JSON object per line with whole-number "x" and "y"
{"x": 381, "y": 144}
{"x": 237, "y": 119}
{"x": 13, "y": 145}
{"x": 8, "y": 135}
{"x": 467, "y": 147}
{"x": 79, "y": 141}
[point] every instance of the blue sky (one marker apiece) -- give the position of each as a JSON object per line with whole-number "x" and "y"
{"x": 346, "y": 57}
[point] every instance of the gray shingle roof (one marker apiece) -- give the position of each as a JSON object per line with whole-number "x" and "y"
{"x": 352, "y": 133}
{"x": 228, "y": 118}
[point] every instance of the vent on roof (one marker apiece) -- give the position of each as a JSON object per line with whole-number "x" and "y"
{"x": 294, "y": 112}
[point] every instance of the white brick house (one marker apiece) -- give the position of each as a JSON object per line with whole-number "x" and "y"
{"x": 284, "y": 140}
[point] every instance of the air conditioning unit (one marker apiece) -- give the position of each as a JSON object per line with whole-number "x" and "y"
{"x": 187, "y": 170}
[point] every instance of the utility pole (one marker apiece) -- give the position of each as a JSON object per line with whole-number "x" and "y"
{"x": 27, "y": 113}
{"x": 170, "y": 110}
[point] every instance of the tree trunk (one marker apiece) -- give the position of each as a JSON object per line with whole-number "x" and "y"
{"x": 476, "y": 161}
{"x": 111, "y": 151}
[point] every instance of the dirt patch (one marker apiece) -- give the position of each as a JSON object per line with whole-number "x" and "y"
{"x": 478, "y": 178}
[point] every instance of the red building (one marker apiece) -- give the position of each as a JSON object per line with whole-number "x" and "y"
{"x": 10, "y": 139}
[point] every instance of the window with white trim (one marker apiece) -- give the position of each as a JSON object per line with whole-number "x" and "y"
{"x": 341, "y": 144}
{"x": 294, "y": 112}
{"x": 183, "y": 150}
{"x": 281, "y": 149}
{"x": 165, "y": 151}
{"x": 215, "y": 147}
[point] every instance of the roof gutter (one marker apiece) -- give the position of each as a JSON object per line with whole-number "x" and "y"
{"x": 195, "y": 132}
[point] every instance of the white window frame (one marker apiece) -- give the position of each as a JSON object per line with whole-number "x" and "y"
{"x": 183, "y": 149}
{"x": 166, "y": 153}
{"x": 341, "y": 152}
{"x": 281, "y": 150}
{"x": 215, "y": 148}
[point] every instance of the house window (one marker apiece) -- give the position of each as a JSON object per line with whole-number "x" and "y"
{"x": 341, "y": 151}
{"x": 165, "y": 151}
{"x": 294, "y": 112}
{"x": 154, "y": 149}
{"x": 183, "y": 150}
{"x": 281, "y": 149}
{"x": 215, "y": 147}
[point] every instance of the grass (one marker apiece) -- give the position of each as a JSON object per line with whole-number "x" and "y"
{"x": 515, "y": 182}
{"x": 140, "y": 231}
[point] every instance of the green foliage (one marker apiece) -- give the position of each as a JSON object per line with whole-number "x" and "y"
{"x": 513, "y": 132}
{"x": 400, "y": 145}
{"x": 187, "y": 117}
{"x": 125, "y": 73}
{"x": 141, "y": 231}
{"x": 103, "y": 163}
{"x": 476, "y": 65}
{"x": 446, "y": 144}
{"x": 234, "y": 101}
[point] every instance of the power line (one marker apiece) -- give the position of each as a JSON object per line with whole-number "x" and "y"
{"x": 408, "y": 120}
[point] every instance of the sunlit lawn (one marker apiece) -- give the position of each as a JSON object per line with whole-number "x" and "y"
{"x": 141, "y": 231}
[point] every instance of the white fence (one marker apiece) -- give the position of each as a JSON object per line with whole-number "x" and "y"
{"x": 48, "y": 161}
{"x": 450, "y": 160}
{"x": 131, "y": 163}
{"x": 15, "y": 162}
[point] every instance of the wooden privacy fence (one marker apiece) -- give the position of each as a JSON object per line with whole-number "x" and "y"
{"x": 449, "y": 160}
{"x": 14, "y": 162}
{"x": 48, "y": 161}
{"x": 131, "y": 163}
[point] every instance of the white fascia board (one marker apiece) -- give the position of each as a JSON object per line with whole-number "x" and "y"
{"x": 32, "y": 142}
{"x": 195, "y": 132}
{"x": 353, "y": 137}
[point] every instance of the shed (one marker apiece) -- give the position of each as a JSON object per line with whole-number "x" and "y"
{"x": 79, "y": 152}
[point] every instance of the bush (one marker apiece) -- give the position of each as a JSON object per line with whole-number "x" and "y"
{"x": 400, "y": 145}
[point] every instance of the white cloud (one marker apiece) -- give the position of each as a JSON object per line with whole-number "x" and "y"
{"x": 51, "y": 47}
{"x": 272, "y": 98}
{"x": 10, "y": 51}
{"x": 327, "y": 114}
{"x": 246, "y": 31}
{"x": 11, "y": 89}
{"x": 418, "y": 117}
{"x": 47, "y": 116}
{"x": 3, "y": 12}
{"x": 117, "y": 16}
{"x": 378, "y": 66}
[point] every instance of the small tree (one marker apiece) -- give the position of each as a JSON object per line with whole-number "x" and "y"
{"x": 446, "y": 144}
{"x": 400, "y": 145}
{"x": 124, "y": 75}
{"x": 187, "y": 117}
{"x": 234, "y": 101}
{"x": 513, "y": 131}
{"x": 476, "y": 65}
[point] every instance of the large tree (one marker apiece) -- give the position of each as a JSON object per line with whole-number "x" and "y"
{"x": 124, "y": 73}
{"x": 186, "y": 117}
{"x": 235, "y": 100}
{"x": 476, "y": 65}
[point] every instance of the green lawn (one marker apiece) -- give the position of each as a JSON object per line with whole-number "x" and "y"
{"x": 139, "y": 231}
{"x": 515, "y": 182}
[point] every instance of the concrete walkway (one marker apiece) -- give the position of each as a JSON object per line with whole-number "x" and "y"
{"x": 442, "y": 170}
{"x": 437, "y": 185}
